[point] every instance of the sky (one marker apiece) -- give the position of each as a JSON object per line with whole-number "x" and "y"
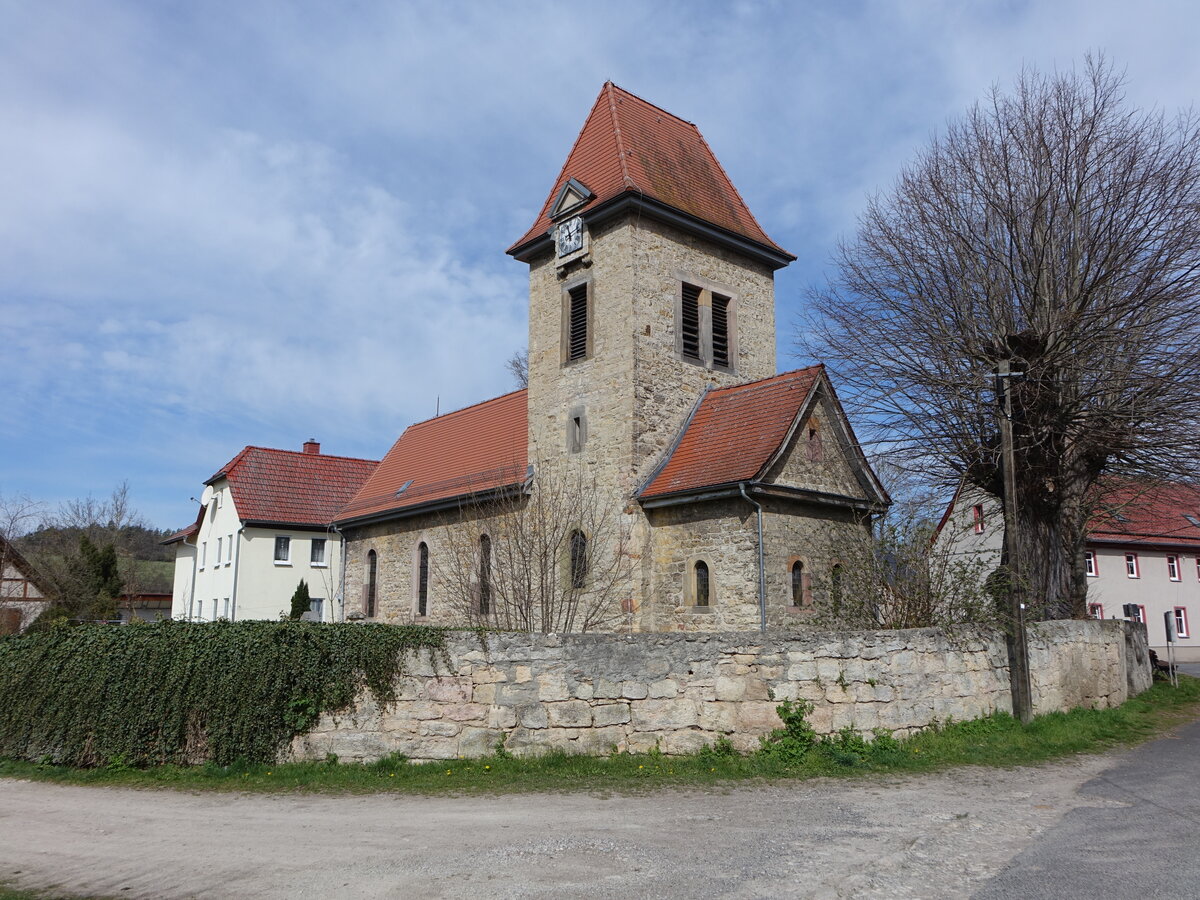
{"x": 243, "y": 223}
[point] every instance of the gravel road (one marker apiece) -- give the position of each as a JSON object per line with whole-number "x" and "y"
{"x": 927, "y": 836}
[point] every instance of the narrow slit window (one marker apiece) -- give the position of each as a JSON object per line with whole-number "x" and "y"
{"x": 703, "y": 588}
{"x": 579, "y": 560}
{"x": 798, "y": 591}
{"x": 372, "y": 572}
{"x": 577, "y": 339}
{"x": 423, "y": 579}
{"x": 485, "y": 575}
{"x": 690, "y": 321}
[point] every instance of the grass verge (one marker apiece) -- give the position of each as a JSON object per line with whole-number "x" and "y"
{"x": 995, "y": 741}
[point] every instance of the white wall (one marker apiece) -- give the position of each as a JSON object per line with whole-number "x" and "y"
{"x": 1112, "y": 587}
{"x": 264, "y": 587}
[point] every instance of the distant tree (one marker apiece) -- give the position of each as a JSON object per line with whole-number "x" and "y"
{"x": 301, "y": 601}
{"x": 1056, "y": 227}
{"x": 518, "y": 368}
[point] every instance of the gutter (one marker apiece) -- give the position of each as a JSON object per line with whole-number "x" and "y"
{"x": 762, "y": 572}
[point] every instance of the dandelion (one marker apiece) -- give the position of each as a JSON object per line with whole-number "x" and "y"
{"x": 268, "y": 773}
{"x": 487, "y": 767}
{"x": 393, "y": 775}
{"x": 447, "y": 771}
{"x": 641, "y": 767}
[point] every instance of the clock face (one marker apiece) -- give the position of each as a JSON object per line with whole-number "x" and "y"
{"x": 569, "y": 236}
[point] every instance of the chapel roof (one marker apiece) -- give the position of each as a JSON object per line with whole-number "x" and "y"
{"x": 480, "y": 448}
{"x": 1151, "y": 513}
{"x": 734, "y": 433}
{"x": 630, "y": 146}
{"x": 291, "y": 487}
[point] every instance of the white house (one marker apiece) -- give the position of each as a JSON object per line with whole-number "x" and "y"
{"x": 263, "y": 526}
{"x": 1143, "y": 548}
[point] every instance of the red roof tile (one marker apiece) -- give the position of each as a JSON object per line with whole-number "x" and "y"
{"x": 1148, "y": 513}
{"x": 479, "y": 448}
{"x": 290, "y": 487}
{"x": 629, "y": 145}
{"x": 734, "y": 433}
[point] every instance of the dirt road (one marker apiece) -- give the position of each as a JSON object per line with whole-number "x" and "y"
{"x": 929, "y": 836}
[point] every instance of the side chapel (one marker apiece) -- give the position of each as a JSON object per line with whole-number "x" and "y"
{"x": 652, "y": 367}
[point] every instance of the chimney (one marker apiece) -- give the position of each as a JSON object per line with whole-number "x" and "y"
{"x": 312, "y": 446}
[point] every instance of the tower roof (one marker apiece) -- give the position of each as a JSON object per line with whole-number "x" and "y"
{"x": 631, "y": 148}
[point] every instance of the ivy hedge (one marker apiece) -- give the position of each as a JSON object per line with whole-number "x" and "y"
{"x": 178, "y": 692}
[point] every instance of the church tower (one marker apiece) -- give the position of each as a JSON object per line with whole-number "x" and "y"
{"x": 650, "y": 280}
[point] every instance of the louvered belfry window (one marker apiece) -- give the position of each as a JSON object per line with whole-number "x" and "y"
{"x": 720, "y": 331}
{"x": 690, "y": 321}
{"x": 577, "y": 337}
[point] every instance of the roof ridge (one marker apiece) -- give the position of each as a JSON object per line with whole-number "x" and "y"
{"x": 315, "y": 455}
{"x": 612, "y": 111}
{"x": 667, "y": 112}
{"x": 762, "y": 381}
{"x": 455, "y": 412}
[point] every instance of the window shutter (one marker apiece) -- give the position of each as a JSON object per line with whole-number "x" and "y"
{"x": 577, "y": 339}
{"x": 690, "y": 321}
{"x": 720, "y": 330}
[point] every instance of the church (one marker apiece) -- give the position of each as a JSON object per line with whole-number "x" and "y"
{"x": 656, "y": 474}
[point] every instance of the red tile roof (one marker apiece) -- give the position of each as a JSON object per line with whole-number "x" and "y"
{"x": 629, "y": 145}
{"x": 1148, "y": 513}
{"x": 287, "y": 487}
{"x": 734, "y": 433}
{"x": 479, "y": 448}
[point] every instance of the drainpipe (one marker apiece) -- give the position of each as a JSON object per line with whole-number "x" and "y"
{"x": 341, "y": 598}
{"x": 237, "y": 564}
{"x": 192, "y": 592}
{"x": 762, "y": 572}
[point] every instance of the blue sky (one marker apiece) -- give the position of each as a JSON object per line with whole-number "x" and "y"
{"x": 256, "y": 223}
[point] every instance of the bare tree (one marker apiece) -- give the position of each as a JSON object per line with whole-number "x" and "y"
{"x": 518, "y": 367}
{"x": 1057, "y": 228}
{"x": 18, "y": 515}
{"x": 554, "y": 558}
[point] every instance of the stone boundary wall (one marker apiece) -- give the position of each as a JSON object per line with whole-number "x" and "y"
{"x": 587, "y": 693}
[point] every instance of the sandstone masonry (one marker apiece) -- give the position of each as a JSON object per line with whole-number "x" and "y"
{"x": 590, "y": 694}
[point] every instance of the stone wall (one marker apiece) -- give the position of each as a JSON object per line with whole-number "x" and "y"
{"x": 591, "y": 693}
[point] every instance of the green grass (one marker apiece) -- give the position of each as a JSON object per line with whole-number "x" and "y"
{"x": 8, "y": 892}
{"x": 995, "y": 741}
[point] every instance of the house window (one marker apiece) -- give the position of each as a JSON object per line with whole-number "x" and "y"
{"x": 703, "y": 587}
{"x": 1131, "y": 565}
{"x": 577, "y": 319}
{"x": 226, "y": 613}
{"x": 977, "y": 517}
{"x": 705, "y": 326}
{"x": 203, "y": 553}
{"x": 372, "y": 573}
{"x": 1173, "y": 568}
{"x": 316, "y": 606}
{"x": 1089, "y": 563}
{"x": 229, "y": 550}
{"x": 1096, "y": 610}
{"x": 283, "y": 549}
{"x": 1139, "y": 613}
{"x": 422, "y": 579}
{"x": 579, "y": 560}
{"x": 800, "y": 595}
{"x": 317, "y": 555}
{"x": 220, "y": 547}
{"x": 1181, "y": 625}
{"x": 214, "y": 615}
{"x": 485, "y": 574}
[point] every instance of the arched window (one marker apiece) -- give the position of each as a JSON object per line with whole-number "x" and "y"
{"x": 422, "y": 579}
{"x": 579, "y": 559}
{"x": 799, "y": 594}
{"x": 372, "y": 571}
{"x": 485, "y": 574}
{"x": 700, "y": 573}
{"x": 836, "y": 587}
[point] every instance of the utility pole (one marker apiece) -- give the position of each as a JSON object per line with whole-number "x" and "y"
{"x": 1018, "y": 651}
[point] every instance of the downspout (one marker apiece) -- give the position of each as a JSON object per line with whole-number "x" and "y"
{"x": 762, "y": 572}
{"x": 237, "y": 564}
{"x": 192, "y": 592}
{"x": 341, "y": 598}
